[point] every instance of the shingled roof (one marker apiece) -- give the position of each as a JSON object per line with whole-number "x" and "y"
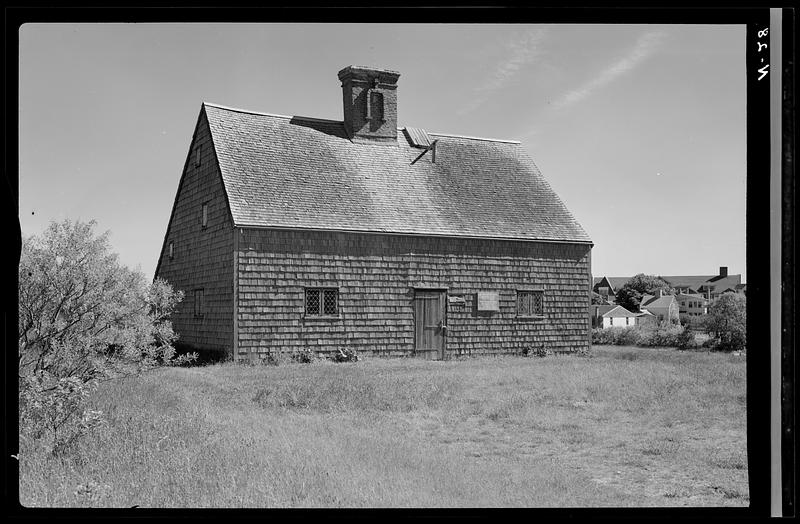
{"x": 297, "y": 172}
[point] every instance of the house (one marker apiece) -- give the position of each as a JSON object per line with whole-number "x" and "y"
{"x": 709, "y": 286}
{"x": 291, "y": 233}
{"x": 645, "y": 318}
{"x": 664, "y": 307}
{"x": 612, "y": 316}
{"x": 692, "y": 304}
{"x": 607, "y": 287}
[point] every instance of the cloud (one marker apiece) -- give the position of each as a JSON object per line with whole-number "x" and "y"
{"x": 521, "y": 51}
{"x": 646, "y": 45}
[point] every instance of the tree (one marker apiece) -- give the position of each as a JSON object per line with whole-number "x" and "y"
{"x": 83, "y": 318}
{"x": 630, "y": 294}
{"x": 727, "y": 321}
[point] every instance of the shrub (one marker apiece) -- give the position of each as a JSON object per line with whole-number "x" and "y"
{"x": 345, "y": 355}
{"x": 305, "y": 356}
{"x": 83, "y": 318}
{"x": 727, "y": 322}
{"x": 699, "y": 323}
{"x": 665, "y": 335}
{"x": 686, "y": 339}
{"x": 620, "y": 336}
{"x": 536, "y": 351}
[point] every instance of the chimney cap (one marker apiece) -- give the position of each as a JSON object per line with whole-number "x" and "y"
{"x": 363, "y": 73}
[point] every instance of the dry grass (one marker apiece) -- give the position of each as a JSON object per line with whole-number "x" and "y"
{"x": 630, "y": 427}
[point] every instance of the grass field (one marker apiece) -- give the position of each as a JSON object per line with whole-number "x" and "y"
{"x": 629, "y": 427}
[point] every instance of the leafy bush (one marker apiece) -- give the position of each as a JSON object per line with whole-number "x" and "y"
{"x": 664, "y": 335}
{"x": 83, "y": 318}
{"x": 619, "y": 336}
{"x": 345, "y": 355}
{"x": 305, "y": 356}
{"x": 273, "y": 359}
{"x": 727, "y": 322}
{"x": 536, "y": 351}
{"x": 698, "y": 323}
{"x": 686, "y": 339}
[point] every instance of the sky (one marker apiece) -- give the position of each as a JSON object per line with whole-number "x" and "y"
{"x": 640, "y": 129}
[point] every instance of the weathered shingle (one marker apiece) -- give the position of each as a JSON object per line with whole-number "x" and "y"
{"x": 302, "y": 172}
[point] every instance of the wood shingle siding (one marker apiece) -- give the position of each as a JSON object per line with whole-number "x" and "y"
{"x": 202, "y": 257}
{"x": 376, "y": 276}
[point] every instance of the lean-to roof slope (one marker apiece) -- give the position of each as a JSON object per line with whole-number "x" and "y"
{"x": 305, "y": 173}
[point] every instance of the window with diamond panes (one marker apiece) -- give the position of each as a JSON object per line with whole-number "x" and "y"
{"x": 322, "y": 302}
{"x": 529, "y": 303}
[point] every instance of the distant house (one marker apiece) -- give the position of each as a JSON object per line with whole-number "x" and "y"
{"x": 709, "y": 286}
{"x": 612, "y": 316}
{"x": 645, "y": 318}
{"x": 664, "y": 307}
{"x": 607, "y": 287}
{"x": 692, "y": 304}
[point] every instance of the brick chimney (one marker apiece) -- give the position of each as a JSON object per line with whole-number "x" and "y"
{"x": 723, "y": 271}
{"x": 370, "y": 103}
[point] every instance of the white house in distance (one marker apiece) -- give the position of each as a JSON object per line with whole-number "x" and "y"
{"x": 606, "y": 316}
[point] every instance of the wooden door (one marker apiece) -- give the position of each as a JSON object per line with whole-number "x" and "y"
{"x": 429, "y": 324}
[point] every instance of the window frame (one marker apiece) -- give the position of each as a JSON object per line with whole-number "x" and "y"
{"x": 171, "y": 249}
{"x": 199, "y": 305}
{"x": 198, "y": 155}
{"x": 204, "y": 208}
{"x": 321, "y": 315}
{"x": 532, "y": 291}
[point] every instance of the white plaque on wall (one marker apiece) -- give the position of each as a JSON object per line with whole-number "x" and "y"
{"x": 488, "y": 301}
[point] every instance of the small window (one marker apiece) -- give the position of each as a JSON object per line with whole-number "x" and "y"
{"x": 197, "y": 154}
{"x": 375, "y": 108}
{"x": 205, "y": 215}
{"x": 199, "y": 305}
{"x": 322, "y": 302}
{"x": 171, "y": 250}
{"x": 529, "y": 303}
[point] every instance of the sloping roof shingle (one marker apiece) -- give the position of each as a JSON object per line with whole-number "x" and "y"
{"x": 305, "y": 173}
{"x": 616, "y": 282}
{"x": 618, "y": 312}
{"x": 650, "y": 301}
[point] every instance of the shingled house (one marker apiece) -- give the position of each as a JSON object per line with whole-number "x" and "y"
{"x": 292, "y": 233}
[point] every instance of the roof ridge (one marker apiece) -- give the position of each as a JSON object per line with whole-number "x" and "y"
{"x": 240, "y": 110}
{"x": 314, "y": 119}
